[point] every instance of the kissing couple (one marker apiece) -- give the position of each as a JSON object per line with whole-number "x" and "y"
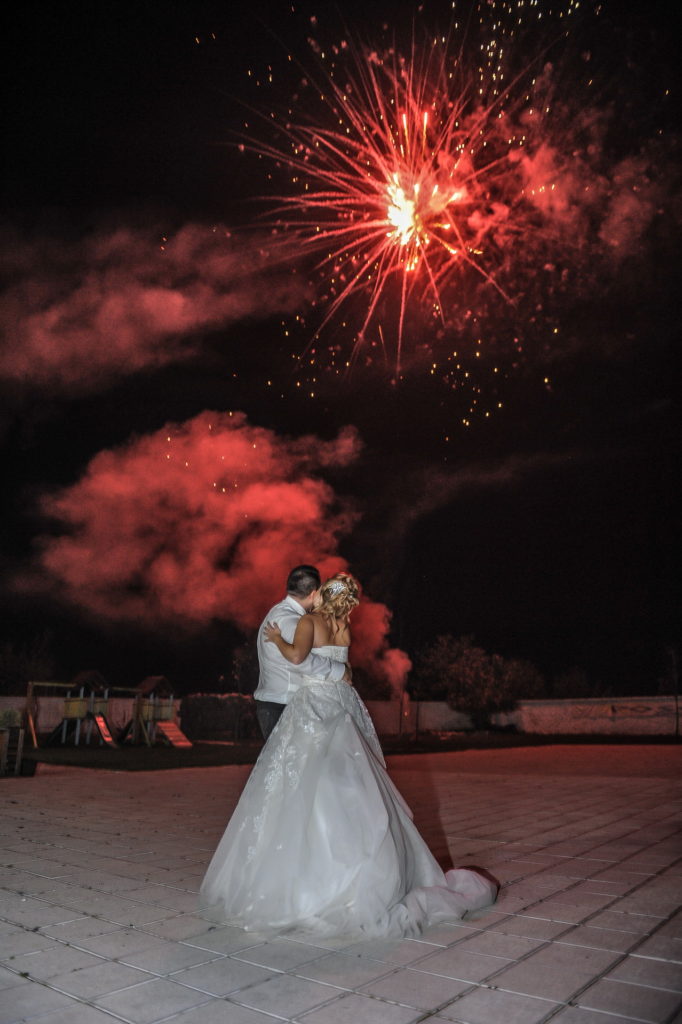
{"x": 321, "y": 841}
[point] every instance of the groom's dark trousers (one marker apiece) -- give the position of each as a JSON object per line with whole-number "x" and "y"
{"x": 268, "y": 714}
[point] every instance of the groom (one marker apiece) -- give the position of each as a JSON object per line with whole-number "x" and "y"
{"x": 278, "y": 678}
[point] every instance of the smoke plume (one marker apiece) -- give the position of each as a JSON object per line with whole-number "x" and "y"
{"x": 202, "y": 521}
{"x": 76, "y": 315}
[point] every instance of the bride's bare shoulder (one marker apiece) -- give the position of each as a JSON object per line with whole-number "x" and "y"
{"x": 321, "y": 630}
{"x": 342, "y": 634}
{"x": 329, "y": 632}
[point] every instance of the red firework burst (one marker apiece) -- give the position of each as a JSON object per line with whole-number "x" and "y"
{"x": 411, "y": 175}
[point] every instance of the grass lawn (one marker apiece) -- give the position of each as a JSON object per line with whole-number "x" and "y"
{"x": 204, "y": 755}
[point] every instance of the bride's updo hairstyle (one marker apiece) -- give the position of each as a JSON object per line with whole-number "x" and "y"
{"x": 339, "y": 595}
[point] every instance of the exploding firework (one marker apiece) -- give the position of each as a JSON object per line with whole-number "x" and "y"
{"x": 412, "y": 185}
{"x": 467, "y": 203}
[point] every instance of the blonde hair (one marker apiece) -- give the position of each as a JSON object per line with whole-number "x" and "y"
{"x": 339, "y": 595}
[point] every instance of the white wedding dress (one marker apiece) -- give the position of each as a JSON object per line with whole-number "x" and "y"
{"x": 322, "y": 841}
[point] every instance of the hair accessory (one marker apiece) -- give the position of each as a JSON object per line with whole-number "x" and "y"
{"x": 335, "y": 587}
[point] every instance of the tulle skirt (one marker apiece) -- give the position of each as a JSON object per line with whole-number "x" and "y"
{"x": 321, "y": 840}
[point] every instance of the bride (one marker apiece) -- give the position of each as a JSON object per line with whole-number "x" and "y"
{"x": 321, "y": 840}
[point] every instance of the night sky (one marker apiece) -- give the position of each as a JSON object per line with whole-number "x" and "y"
{"x": 545, "y": 530}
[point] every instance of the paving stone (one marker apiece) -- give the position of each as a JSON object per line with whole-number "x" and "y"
{"x": 47, "y": 963}
{"x": 353, "y": 1009}
{"x": 654, "y": 973}
{"x": 485, "y": 1005}
{"x": 32, "y": 913}
{"x": 634, "y": 1001}
{"x": 549, "y": 983}
{"x": 24, "y": 1001}
{"x": 530, "y": 927}
{"x": 391, "y": 951}
{"x": 283, "y": 992}
{"x": 15, "y": 941}
{"x": 495, "y": 943}
{"x": 221, "y": 1011}
{"x": 349, "y": 972}
{"x": 662, "y": 947}
{"x": 564, "y": 913}
{"x": 10, "y": 978}
{"x": 561, "y": 956}
{"x": 640, "y": 924}
{"x": 579, "y": 1015}
{"x": 222, "y": 976}
{"x": 150, "y": 1001}
{"x": 81, "y": 928}
{"x": 224, "y": 940}
{"x": 169, "y": 957}
{"x": 599, "y": 938}
{"x": 461, "y": 964}
{"x": 107, "y": 976}
{"x": 280, "y": 955}
{"x": 76, "y": 1013}
{"x": 183, "y": 926}
{"x": 120, "y": 943}
{"x": 415, "y": 988}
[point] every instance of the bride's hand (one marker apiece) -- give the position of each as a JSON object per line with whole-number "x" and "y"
{"x": 271, "y": 630}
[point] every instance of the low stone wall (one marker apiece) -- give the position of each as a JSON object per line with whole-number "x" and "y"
{"x": 393, "y": 718}
{"x": 606, "y": 716}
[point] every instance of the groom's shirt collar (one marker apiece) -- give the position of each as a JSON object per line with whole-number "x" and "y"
{"x": 294, "y": 604}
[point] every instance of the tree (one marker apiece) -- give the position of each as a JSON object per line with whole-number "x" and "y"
{"x": 472, "y": 680}
{"x": 573, "y": 683}
{"x": 23, "y": 663}
{"x": 524, "y": 680}
{"x": 245, "y": 669}
{"x": 371, "y": 687}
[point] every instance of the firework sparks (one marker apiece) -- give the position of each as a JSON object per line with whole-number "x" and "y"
{"x": 415, "y": 178}
{"x": 463, "y": 197}
{"x": 392, "y": 193}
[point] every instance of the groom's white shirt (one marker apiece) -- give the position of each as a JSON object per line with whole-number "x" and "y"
{"x": 278, "y": 678}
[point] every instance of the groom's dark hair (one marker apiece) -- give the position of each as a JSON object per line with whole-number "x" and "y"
{"x": 302, "y": 580}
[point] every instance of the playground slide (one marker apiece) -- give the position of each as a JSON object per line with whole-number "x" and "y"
{"x": 104, "y": 730}
{"x": 171, "y": 733}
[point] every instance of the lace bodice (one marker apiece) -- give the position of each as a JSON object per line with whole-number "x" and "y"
{"x": 332, "y": 652}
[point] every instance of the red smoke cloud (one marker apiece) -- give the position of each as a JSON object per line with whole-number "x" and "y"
{"x": 78, "y": 314}
{"x": 599, "y": 207}
{"x": 202, "y": 521}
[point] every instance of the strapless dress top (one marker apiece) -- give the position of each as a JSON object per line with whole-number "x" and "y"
{"x": 332, "y": 652}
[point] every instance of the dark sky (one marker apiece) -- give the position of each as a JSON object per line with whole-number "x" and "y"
{"x": 547, "y": 531}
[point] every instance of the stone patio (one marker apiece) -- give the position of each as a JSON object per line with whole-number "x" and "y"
{"x": 99, "y": 874}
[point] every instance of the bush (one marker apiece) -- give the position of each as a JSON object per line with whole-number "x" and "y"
{"x": 572, "y": 684}
{"x": 472, "y": 680}
{"x": 10, "y": 718}
{"x": 245, "y": 670}
{"x": 370, "y": 687}
{"x": 21, "y": 663}
{"x": 212, "y": 715}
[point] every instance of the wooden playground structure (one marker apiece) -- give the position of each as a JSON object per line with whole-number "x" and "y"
{"x": 85, "y": 713}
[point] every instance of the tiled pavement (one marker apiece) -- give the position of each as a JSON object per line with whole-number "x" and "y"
{"x": 100, "y": 871}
